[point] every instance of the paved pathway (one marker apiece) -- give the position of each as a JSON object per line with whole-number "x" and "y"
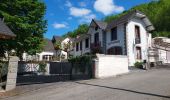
{"x": 141, "y": 85}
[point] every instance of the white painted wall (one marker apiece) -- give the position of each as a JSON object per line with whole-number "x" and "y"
{"x": 45, "y": 53}
{"x": 110, "y": 65}
{"x": 66, "y": 41}
{"x": 38, "y": 56}
{"x": 164, "y": 56}
{"x": 131, "y": 40}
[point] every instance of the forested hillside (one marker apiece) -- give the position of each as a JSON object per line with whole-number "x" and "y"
{"x": 157, "y": 11}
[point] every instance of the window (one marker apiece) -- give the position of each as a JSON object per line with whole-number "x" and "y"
{"x": 77, "y": 46}
{"x": 96, "y": 38}
{"x": 138, "y": 53}
{"x": 81, "y": 45}
{"x": 114, "y": 33}
{"x": 115, "y": 51}
{"x": 87, "y": 43}
{"x": 137, "y": 34}
{"x": 96, "y": 28}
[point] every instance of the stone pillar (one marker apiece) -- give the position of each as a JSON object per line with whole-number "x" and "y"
{"x": 96, "y": 68}
{"x": 12, "y": 73}
{"x": 47, "y": 69}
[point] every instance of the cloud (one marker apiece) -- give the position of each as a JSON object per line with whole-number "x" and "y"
{"x": 69, "y": 18}
{"x": 68, "y": 4}
{"x": 85, "y": 15}
{"x": 82, "y": 4}
{"x": 60, "y": 25}
{"x": 78, "y": 12}
{"x": 107, "y": 7}
{"x": 87, "y": 18}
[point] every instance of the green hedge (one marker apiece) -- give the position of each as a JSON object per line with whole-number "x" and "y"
{"x": 81, "y": 63}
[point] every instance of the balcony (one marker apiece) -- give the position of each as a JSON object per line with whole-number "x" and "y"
{"x": 96, "y": 47}
{"x": 137, "y": 41}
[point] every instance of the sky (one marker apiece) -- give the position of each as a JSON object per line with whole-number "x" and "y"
{"x": 66, "y": 15}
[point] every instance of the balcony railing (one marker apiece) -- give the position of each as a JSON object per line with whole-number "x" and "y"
{"x": 137, "y": 41}
{"x": 96, "y": 47}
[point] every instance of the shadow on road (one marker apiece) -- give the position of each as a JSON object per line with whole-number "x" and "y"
{"x": 137, "y": 92}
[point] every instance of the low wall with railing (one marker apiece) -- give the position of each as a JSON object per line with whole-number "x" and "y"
{"x": 110, "y": 65}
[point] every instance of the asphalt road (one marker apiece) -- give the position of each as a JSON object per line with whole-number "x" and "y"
{"x": 141, "y": 85}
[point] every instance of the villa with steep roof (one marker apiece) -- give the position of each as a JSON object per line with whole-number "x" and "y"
{"x": 128, "y": 35}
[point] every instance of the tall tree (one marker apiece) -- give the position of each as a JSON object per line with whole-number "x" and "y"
{"x": 82, "y": 29}
{"x": 26, "y": 19}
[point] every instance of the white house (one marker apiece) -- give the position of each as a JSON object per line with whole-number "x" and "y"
{"x": 128, "y": 35}
{"x": 46, "y": 55}
{"x": 66, "y": 46}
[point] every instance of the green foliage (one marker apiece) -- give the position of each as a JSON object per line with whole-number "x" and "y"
{"x": 113, "y": 17}
{"x": 57, "y": 45}
{"x": 81, "y": 63}
{"x": 139, "y": 65}
{"x": 42, "y": 66}
{"x": 3, "y": 70}
{"x": 26, "y": 19}
{"x": 82, "y": 29}
{"x": 157, "y": 11}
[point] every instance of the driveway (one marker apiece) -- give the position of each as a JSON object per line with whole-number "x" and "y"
{"x": 141, "y": 85}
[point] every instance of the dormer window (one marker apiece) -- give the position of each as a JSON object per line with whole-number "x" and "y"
{"x": 96, "y": 28}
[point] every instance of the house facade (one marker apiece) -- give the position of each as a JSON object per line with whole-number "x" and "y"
{"x": 128, "y": 35}
{"x": 63, "y": 46}
{"x": 81, "y": 45}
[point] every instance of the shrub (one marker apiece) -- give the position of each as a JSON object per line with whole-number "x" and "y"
{"x": 139, "y": 65}
{"x": 81, "y": 63}
{"x": 42, "y": 66}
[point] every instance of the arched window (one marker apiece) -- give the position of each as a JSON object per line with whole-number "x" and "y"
{"x": 117, "y": 50}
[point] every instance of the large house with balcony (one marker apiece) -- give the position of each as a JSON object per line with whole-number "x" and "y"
{"x": 128, "y": 35}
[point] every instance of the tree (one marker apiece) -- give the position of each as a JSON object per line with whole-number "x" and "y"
{"x": 26, "y": 19}
{"x": 157, "y": 11}
{"x": 82, "y": 29}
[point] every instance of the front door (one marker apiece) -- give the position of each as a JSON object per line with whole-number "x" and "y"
{"x": 138, "y": 53}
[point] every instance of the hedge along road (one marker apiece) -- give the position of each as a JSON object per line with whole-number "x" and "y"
{"x": 142, "y": 85}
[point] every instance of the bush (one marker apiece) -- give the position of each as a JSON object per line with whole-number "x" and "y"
{"x": 42, "y": 66}
{"x": 139, "y": 65}
{"x": 81, "y": 63}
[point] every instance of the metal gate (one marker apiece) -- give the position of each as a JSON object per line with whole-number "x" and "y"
{"x": 61, "y": 69}
{"x": 58, "y": 71}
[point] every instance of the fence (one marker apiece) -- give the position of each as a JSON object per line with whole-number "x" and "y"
{"x": 3, "y": 71}
{"x": 28, "y": 73}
